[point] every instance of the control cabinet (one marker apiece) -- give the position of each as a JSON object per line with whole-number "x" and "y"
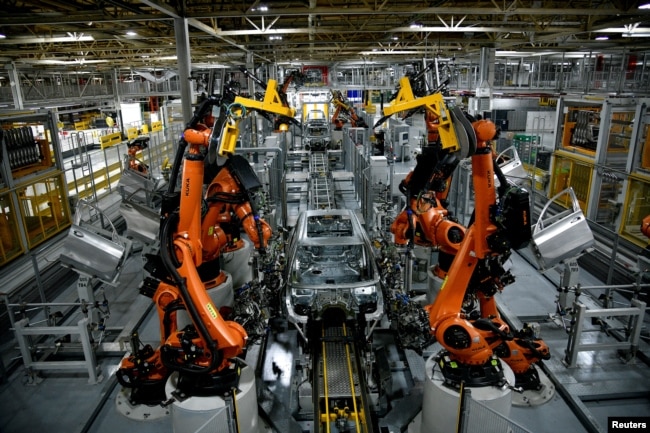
{"x": 602, "y": 153}
{"x": 33, "y": 194}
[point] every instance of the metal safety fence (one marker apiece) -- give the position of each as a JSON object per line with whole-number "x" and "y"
{"x": 478, "y": 417}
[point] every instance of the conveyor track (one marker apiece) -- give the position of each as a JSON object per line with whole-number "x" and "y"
{"x": 339, "y": 393}
{"x": 321, "y": 187}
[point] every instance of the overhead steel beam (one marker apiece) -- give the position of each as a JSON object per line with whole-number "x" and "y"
{"x": 416, "y": 10}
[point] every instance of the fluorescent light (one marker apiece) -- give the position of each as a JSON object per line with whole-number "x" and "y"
{"x": 76, "y": 61}
{"x": 602, "y": 38}
{"x": 2, "y": 36}
{"x": 72, "y": 37}
{"x": 645, "y": 6}
{"x": 131, "y": 33}
{"x": 389, "y": 52}
{"x": 629, "y": 29}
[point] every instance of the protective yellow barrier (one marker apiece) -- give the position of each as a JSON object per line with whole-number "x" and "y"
{"x": 110, "y": 139}
{"x": 156, "y": 126}
{"x": 132, "y": 133}
{"x": 80, "y": 126}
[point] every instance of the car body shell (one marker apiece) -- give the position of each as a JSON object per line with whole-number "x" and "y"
{"x": 330, "y": 264}
{"x": 316, "y": 132}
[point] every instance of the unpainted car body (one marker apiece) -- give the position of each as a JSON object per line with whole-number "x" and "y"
{"x": 316, "y": 132}
{"x": 331, "y": 265}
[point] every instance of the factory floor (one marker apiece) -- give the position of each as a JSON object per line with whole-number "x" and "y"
{"x": 601, "y": 385}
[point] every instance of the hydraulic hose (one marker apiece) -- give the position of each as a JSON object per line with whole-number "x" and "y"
{"x": 199, "y": 114}
{"x": 226, "y": 197}
{"x": 171, "y": 264}
{"x": 258, "y": 226}
{"x": 503, "y": 181}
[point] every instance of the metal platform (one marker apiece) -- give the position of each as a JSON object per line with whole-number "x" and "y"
{"x": 335, "y": 366}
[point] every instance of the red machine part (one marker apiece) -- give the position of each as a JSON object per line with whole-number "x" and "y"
{"x": 645, "y": 226}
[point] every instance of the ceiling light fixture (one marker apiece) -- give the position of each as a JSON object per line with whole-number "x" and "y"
{"x": 131, "y": 33}
{"x": 602, "y": 38}
{"x": 644, "y": 6}
{"x": 2, "y": 36}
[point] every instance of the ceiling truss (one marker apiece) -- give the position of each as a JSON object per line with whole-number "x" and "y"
{"x": 93, "y": 33}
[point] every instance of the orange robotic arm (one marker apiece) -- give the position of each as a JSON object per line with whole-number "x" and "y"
{"x": 452, "y": 330}
{"x": 426, "y": 223}
{"x": 136, "y": 146}
{"x": 645, "y": 226}
{"x": 228, "y": 197}
{"x": 205, "y": 345}
{"x": 426, "y": 220}
{"x": 477, "y": 272}
{"x": 211, "y": 341}
{"x": 357, "y": 121}
{"x": 336, "y": 120}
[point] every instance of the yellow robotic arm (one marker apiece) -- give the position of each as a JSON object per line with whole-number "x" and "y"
{"x": 272, "y": 103}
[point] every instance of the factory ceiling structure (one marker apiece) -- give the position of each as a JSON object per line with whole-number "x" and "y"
{"x": 105, "y": 34}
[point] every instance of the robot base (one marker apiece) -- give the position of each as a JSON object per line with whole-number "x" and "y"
{"x": 138, "y": 412}
{"x": 198, "y": 413}
{"x": 440, "y": 402}
{"x": 536, "y": 397}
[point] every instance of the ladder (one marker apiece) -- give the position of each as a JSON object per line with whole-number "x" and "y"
{"x": 321, "y": 186}
{"x": 85, "y": 186}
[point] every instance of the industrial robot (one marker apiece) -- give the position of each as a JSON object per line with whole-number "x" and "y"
{"x": 211, "y": 195}
{"x": 139, "y": 183}
{"x": 280, "y": 122}
{"x": 136, "y": 145}
{"x": 463, "y": 317}
{"x": 345, "y": 112}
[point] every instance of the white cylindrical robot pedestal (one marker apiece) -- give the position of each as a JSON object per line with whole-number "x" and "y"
{"x": 440, "y": 403}
{"x": 433, "y": 286}
{"x": 199, "y": 414}
{"x": 236, "y": 264}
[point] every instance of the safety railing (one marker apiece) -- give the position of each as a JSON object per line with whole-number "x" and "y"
{"x": 24, "y": 331}
{"x": 575, "y": 345}
{"x": 478, "y": 417}
{"x": 35, "y": 325}
{"x": 99, "y": 172}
